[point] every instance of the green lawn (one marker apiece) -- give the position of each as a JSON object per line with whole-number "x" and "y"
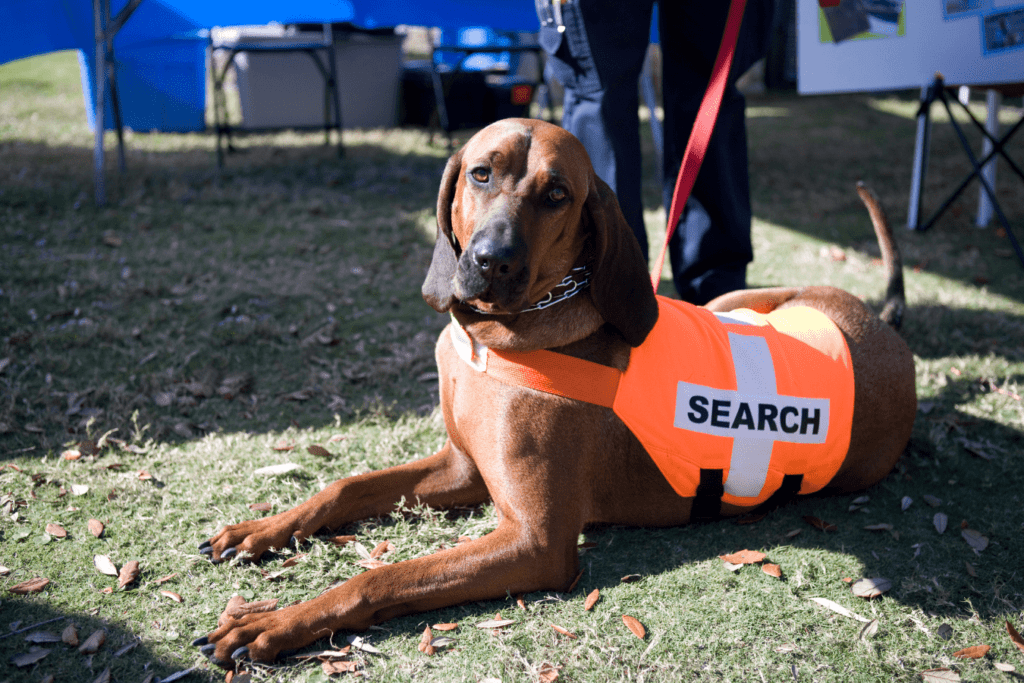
{"x": 207, "y": 324}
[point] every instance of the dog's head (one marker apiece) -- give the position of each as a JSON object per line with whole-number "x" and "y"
{"x": 519, "y": 206}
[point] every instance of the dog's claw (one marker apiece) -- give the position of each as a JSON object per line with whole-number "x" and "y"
{"x": 204, "y": 545}
{"x": 207, "y": 650}
{"x": 240, "y": 653}
{"x": 208, "y": 551}
{"x": 200, "y": 641}
{"x": 293, "y": 542}
{"x": 229, "y": 553}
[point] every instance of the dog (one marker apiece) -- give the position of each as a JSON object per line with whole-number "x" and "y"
{"x": 533, "y": 256}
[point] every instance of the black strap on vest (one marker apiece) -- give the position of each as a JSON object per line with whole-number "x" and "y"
{"x": 707, "y": 501}
{"x": 791, "y": 484}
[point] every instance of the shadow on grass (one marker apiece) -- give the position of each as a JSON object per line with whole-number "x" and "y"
{"x": 128, "y": 657}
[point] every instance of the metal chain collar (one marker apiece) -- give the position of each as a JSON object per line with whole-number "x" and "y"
{"x": 572, "y": 284}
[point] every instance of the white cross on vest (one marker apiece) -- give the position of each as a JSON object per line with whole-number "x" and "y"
{"x": 754, "y": 414}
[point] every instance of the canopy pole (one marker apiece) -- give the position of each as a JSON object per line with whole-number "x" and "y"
{"x": 98, "y": 18}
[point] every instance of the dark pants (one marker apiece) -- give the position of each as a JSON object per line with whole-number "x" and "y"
{"x": 598, "y": 60}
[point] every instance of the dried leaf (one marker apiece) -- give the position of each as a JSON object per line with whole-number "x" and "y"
{"x": 104, "y": 677}
{"x": 839, "y": 609}
{"x": 129, "y": 572}
{"x": 794, "y": 533}
{"x": 975, "y": 539}
{"x": 341, "y": 540}
{"x": 932, "y": 500}
{"x": 165, "y": 579}
{"x": 940, "y": 676}
{"x": 171, "y": 595}
{"x": 274, "y": 470}
{"x": 96, "y": 527}
{"x": 732, "y": 566}
{"x": 292, "y": 561}
{"x": 520, "y": 603}
{"x": 575, "y": 581}
{"x": 42, "y": 637}
{"x": 360, "y": 644}
{"x": 772, "y": 570}
{"x": 860, "y": 500}
{"x": 362, "y": 551}
{"x": 940, "y": 520}
{"x": 176, "y": 676}
{"x": 93, "y": 643}
{"x": 104, "y": 565}
{"x": 564, "y": 632}
{"x": 970, "y": 569}
{"x": 260, "y": 507}
{"x": 870, "y": 588}
{"x": 1015, "y": 637}
{"x": 372, "y": 564}
{"x": 381, "y": 548}
{"x": 973, "y": 652}
{"x": 71, "y": 454}
{"x": 744, "y": 557}
{"x": 79, "y": 489}
{"x": 318, "y": 451}
{"x": 879, "y": 527}
{"x": 906, "y": 502}
{"x": 31, "y": 586}
{"x": 591, "y": 600}
{"x": 548, "y": 673}
{"x": 634, "y": 626}
{"x": 29, "y": 658}
{"x": 283, "y": 445}
{"x": 339, "y": 667}
{"x": 445, "y": 627}
{"x": 425, "y": 639}
{"x": 1002, "y": 666}
{"x": 56, "y": 530}
{"x": 495, "y": 623}
{"x": 69, "y": 636}
{"x": 630, "y": 578}
{"x": 869, "y": 630}
{"x": 819, "y": 523}
{"x": 441, "y": 641}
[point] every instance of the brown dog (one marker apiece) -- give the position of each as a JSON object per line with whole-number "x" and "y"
{"x": 519, "y": 208}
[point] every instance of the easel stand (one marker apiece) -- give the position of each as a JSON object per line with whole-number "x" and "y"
{"x": 938, "y": 91}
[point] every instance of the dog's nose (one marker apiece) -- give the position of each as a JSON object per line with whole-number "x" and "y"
{"x": 495, "y": 258}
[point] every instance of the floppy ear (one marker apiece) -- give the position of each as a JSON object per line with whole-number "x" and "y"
{"x": 438, "y": 289}
{"x": 620, "y": 285}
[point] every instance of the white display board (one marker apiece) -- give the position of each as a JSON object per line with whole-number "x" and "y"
{"x": 864, "y": 45}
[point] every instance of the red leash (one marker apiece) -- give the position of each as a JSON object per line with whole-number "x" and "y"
{"x": 697, "y": 146}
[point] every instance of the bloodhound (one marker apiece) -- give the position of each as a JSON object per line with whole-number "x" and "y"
{"x": 533, "y": 259}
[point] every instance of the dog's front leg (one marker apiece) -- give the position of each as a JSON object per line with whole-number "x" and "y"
{"x": 517, "y": 557}
{"x": 445, "y": 479}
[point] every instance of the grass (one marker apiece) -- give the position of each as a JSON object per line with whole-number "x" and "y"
{"x": 182, "y": 335}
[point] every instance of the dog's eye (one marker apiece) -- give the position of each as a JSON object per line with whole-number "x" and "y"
{"x": 557, "y": 195}
{"x": 481, "y": 175}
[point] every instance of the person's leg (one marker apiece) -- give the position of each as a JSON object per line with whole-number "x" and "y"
{"x": 598, "y": 61}
{"x": 712, "y": 245}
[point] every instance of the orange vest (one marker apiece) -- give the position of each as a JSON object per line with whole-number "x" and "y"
{"x": 740, "y": 392}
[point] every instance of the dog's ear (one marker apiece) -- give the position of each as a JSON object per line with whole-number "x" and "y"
{"x": 438, "y": 289}
{"x": 620, "y": 285}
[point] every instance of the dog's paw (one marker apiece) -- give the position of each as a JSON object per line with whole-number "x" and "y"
{"x": 251, "y": 539}
{"x": 261, "y": 637}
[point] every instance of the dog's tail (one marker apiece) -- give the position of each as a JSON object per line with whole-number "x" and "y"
{"x": 895, "y": 298}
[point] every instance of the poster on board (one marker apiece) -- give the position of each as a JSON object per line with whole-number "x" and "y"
{"x": 868, "y": 45}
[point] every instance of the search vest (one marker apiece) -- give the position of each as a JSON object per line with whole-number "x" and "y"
{"x": 732, "y": 406}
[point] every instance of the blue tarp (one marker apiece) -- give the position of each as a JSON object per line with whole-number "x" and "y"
{"x": 160, "y": 51}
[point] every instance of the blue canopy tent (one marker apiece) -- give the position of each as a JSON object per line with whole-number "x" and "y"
{"x": 161, "y": 44}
